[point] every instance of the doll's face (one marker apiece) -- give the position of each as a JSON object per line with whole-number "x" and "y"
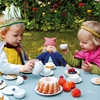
{"x": 49, "y": 48}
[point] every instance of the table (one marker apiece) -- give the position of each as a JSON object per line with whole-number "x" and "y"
{"x": 88, "y": 89}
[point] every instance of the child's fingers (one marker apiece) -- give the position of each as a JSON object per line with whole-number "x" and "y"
{"x": 85, "y": 68}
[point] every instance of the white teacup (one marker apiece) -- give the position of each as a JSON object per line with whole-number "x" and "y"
{"x": 46, "y": 71}
{"x": 74, "y": 78}
{"x": 63, "y": 46}
{"x": 38, "y": 67}
{"x": 19, "y": 80}
{"x": 19, "y": 93}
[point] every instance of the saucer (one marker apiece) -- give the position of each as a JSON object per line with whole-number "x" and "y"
{"x": 3, "y": 85}
{"x": 66, "y": 72}
{"x": 6, "y": 98}
{"x": 5, "y": 77}
{"x": 27, "y": 72}
{"x": 9, "y": 90}
{"x": 93, "y": 80}
{"x": 51, "y": 73}
{"x": 80, "y": 79}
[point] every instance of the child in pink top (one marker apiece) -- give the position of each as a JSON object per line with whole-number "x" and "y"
{"x": 89, "y": 57}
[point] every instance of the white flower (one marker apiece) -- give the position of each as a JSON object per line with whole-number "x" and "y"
{"x": 97, "y": 0}
{"x": 36, "y": 0}
{"x": 39, "y": 2}
{"x": 49, "y": 3}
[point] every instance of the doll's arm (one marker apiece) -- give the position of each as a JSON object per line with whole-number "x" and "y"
{"x": 60, "y": 59}
{"x": 41, "y": 56}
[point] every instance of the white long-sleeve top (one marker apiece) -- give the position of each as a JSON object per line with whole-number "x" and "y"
{"x": 5, "y": 66}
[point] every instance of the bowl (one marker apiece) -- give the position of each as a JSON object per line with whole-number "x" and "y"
{"x": 63, "y": 46}
{"x": 74, "y": 78}
{"x": 20, "y": 93}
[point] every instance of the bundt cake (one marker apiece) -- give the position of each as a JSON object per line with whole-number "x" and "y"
{"x": 48, "y": 85}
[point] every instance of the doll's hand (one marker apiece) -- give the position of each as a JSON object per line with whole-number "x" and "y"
{"x": 87, "y": 67}
{"x": 68, "y": 66}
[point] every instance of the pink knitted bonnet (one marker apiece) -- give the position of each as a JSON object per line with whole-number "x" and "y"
{"x": 50, "y": 41}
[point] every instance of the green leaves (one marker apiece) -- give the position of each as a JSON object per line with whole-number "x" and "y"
{"x": 49, "y": 15}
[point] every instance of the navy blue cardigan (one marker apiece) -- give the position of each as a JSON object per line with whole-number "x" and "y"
{"x": 57, "y": 58}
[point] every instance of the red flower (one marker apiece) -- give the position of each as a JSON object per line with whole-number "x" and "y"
{"x": 51, "y": 10}
{"x": 60, "y": 3}
{"x": 81, "y": 4}
{"x": 34, "y": 9}
{"x": 55, "y": 6}
{"x": 25, "y": 2}
{"x": 63, "y": 13}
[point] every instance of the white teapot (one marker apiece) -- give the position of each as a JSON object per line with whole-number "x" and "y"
{"x": 38, "y": 67}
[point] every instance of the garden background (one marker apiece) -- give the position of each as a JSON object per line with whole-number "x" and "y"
{"x": 53, "y": 18}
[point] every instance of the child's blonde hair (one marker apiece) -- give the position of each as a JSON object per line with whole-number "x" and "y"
{"x": 3, "y": 30}
{"x": 87, "y": 32}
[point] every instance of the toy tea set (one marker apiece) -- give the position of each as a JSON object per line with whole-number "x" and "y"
{"x": 13, "y": 12}
{"x": 15, "y": 90}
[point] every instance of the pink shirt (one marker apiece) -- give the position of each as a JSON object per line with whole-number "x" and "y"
{"x": 91, "y": 56}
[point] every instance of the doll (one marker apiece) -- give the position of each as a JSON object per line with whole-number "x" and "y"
{"x": 50, "y": 54}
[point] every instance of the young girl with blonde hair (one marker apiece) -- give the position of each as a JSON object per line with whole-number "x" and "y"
{"x": 89, "y": 57}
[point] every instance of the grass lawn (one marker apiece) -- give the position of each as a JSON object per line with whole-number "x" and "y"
{"x": 33, "y": 42}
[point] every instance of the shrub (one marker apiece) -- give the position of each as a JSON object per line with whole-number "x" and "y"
{"x": 54, "y": 15}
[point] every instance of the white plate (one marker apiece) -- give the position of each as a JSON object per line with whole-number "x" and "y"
{"x": 5, "y": 77}
{"x": 49, "y": 94}
{"x": 50, "y": 68}
{"x": 80, "y": 79}
{"x": 93, "y": 80}
{"x": 6, "y": 98}
{"x": 27, "y": 72}
{"x": 66, "y": 72}
{"x": 9, "y": 90}
{"x": 51, "y": 73}
{"x": 3, "y": 85}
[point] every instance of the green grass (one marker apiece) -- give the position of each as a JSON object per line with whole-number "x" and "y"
{"x": 33, "y": 42}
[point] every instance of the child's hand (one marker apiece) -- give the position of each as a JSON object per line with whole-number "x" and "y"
{"x": 76, "y": 51}
{"x": 65, "y": 51}
{"x": 27, "y": 67}
{"x": 87, "y": 67}
{"x": 34, "y": 60}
